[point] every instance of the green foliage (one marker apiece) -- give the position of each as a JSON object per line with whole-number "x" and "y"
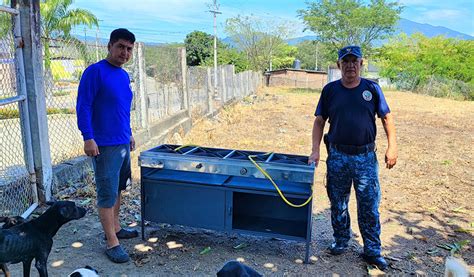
{"x": 259, "y": 39}
{"x": 9, "y": 113}
{"x": 347, "y": 22}
{"x": 312, "y": 52}
{"x": 284, "y": 56}
{"x": 199, "y": 47}
{"x": 437, "y": 66}
{"x": 226, "y": 55}
{"x": 57, "y": 21}
{"x": 200, "y": 51}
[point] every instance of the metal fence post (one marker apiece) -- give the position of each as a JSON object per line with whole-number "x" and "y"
{"x": 24, "y": 119}
{"x": 141, "y": 90}
{"x": 33, "y": 64}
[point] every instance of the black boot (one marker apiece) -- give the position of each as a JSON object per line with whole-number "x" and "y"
{"x": 337, "y": 248}
{"x": 378, "y": 261}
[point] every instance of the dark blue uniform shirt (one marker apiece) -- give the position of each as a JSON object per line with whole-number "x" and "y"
{"x": 104, "y": 101}
{"x": 351, "y": 111}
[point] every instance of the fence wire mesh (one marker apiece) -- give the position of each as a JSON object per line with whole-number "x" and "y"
{"x": 64, "y": 62}
{"x": 15, "y": 189}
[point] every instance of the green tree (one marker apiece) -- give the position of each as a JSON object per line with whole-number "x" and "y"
{"x": 257, "y": 38}
{"x": 338, "y": 23}
{"x": 57, "y": 21}
{"x": 199, "y": 47}
{"x": 200, "y": 51}
{"x": 227, "y": 55}
{"x": 314, "y": 55}
{"x": 284, "y": 56}
{"x": 415, "y": 61}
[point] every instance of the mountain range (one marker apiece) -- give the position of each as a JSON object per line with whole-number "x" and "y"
{"x": 404, "y": 26}
{"x": 408, "y": 27}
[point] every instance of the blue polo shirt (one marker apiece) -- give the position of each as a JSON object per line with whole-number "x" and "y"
{"x": 351, "y": 111}
{"x": 103, "y": 106}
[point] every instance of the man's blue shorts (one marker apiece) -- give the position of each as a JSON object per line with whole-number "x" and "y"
{"x": 112, "y": 170}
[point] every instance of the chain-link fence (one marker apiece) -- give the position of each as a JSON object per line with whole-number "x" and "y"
{"x": 64, "y": 62}
{"x": 16, "y": 193}
{"x": 159, "y": 81}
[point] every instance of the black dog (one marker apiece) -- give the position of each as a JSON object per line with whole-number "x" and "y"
{"x": 236, "y": 269}
{"x": 11, "y": 221}
{"x": 34, "y": 239}
{"x": 8, "y": 222}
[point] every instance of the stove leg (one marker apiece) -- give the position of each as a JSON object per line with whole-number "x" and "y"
{"x": 309, "y": 231}
{"x": 142, "y": 209}
{"x": 308, "y": 247}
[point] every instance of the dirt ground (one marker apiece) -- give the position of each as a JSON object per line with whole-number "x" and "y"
{"x": 426, "y": 199}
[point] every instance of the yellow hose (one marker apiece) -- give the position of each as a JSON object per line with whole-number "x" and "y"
{"x": 276, "y": 186}
{"x": 267, "y": 176}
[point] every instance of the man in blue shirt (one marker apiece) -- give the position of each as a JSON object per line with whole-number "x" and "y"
{"x": 351, "y": 105}
{"x": 103, "y": 114}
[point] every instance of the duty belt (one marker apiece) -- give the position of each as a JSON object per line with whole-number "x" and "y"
{"x": 353, "y": 149}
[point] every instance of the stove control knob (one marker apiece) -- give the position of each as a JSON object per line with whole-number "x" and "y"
{"x": 243, "y": 171}
{"x": 199, "y": 166}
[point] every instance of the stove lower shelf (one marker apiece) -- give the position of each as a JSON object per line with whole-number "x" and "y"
{"x": 218, "y": 205}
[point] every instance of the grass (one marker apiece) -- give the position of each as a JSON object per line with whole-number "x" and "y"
{"x": 61, "y": 93}
{"x": 303, "y": 90}
{"x": 9, "y": 113}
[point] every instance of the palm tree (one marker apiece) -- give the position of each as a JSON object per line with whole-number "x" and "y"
{"x": 57, "y": 21}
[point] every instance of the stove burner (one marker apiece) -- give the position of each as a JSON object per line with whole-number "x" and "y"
{"x": 244, "y": 155}
{"x": 289, "y": 159}
{"x": 260, "y": 157}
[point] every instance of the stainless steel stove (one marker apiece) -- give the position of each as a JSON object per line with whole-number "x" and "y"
{"x": 221, "y": 189}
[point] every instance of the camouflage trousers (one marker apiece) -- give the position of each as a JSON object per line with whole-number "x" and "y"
{"x": 361, "y": 170}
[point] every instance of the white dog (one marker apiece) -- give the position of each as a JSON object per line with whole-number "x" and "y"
{"x": 86, "y": 271}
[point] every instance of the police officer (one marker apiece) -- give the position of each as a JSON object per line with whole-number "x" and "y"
{"x": 351, "y": 105}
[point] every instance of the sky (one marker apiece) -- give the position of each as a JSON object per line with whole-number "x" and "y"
{"x": 165, "y": 21}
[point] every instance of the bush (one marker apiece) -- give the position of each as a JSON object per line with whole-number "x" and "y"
{"x": 442, "y": 87}
{"x": 9, "y": 113}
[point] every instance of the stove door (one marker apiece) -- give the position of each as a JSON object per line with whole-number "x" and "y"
{"x": 194, "y": 205}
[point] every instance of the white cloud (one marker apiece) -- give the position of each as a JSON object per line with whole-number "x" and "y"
{"x": 415, "y": 2}
{"x": 443, "y": 14}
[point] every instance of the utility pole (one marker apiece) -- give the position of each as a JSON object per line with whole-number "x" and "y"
{"x": 214, "y": 9}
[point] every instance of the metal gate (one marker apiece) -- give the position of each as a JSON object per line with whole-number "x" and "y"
{"x": 18, "y": 193}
